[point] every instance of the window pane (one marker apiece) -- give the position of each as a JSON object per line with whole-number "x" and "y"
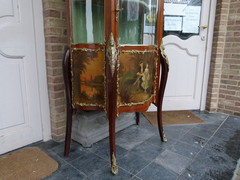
{"x": 137, "y": 21}
{"x": 88, "y": 21}
{"x": 182, "y": 17}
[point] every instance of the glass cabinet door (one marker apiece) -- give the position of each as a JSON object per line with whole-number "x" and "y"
{"x": 87, "y": 52}
{"x": 137, "y": 22}
{"x": 138, "y": 56}
{"x": 87, "y": 21}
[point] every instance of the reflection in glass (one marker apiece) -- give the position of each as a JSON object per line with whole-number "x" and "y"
{"x": 137, "y": 21}
{"x": 88, "y": 21}
{"x": 182, "y": 18}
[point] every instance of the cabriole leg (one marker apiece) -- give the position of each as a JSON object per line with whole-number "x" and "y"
{"x": 137, "y": 118}
{"x": 68, "y": 132}
{"x": 112, "y": 145}
{"x": 164, "y": 75}
{"x": 67, "y": 82}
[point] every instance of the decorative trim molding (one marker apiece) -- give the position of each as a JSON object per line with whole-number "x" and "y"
{"x": 11, "y": 56}
{"x": 112, "y": 53}
{"x": 162, "y": 49}
{"x": 9, "y": 10}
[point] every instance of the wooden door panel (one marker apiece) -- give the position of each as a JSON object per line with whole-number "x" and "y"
{"x": 12, "y": 91}
{"x": 20, "y": 111}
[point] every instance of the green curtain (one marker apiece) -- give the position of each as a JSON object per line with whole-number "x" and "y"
{"x": 79, "y": 24}
{"x": 130, "y": 32}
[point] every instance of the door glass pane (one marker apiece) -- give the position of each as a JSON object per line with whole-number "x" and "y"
{"x": 182, "y": 17}
{"x": 137, "y": 21}
{"x": 87, "y": 21}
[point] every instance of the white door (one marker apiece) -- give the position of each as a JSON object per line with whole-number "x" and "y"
{"x": 186, "y": 30}
{"x": 20, "y": 108}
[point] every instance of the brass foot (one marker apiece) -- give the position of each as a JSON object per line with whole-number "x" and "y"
{"x": 164, "y": 139}
{"x": 114, "y": 165}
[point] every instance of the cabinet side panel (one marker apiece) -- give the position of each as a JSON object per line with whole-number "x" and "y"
{"x": 136, "y": 77}
{"x": 88, "y": 77}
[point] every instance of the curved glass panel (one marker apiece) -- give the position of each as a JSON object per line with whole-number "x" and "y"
{"x": 182, "y": 18}
{"x": 137, "y": 21}
{"x": 87, "y": 21}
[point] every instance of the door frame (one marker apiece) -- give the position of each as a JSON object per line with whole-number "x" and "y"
{"x": 207, "y": 60}
{"x": 41, "y": 69}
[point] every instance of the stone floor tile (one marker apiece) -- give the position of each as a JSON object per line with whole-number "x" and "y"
{"x": 106, "y": 174}
{"x": 156, "y": 171}
{"x": 201, "y": 132}
{"x": 184, "y": 149}
{"x": 227, "y": 134}
{"x": 214, "y": 118}
{"x": 76, "y": 151}
{"x": 102, "y": 149}
{"x": 66, "y": 172}
{"x": 136, "y": 178}
{"x": 132, "y": 163}
{"x": 147, "y": 151}
{"x": 230, "y": 146}
{"x": 61, "y": 161}
{"x": 89, "y": 163}
{"x": 48, "y": 145}
{"x": 208, "y": 126}
{"x": 177, "y": 131}
{"x": 173, "y": 161}
{"x": 131, "y": 137}
{"x": 232, "y": 123}
{"x": 211, "y": 164}
{"x": 145, "y": 124}
{"x": 193, "y": 140}
{"x": 156, "y": 141}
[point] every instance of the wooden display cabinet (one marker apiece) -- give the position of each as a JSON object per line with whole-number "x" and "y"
{"x": 114, "y": 60}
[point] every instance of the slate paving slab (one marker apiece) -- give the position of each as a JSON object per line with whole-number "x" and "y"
{"x": 156, "y": 171}
{"x": 184, "y": 149}
{"x": 105, "y": 174}
{"x": 132, "y": 162}
{"x": 89, "y": 163}
{"x": 147, "y": 151}
{"x": 102, "y": 149}
{"x": 131, "y": 137}
{"x": 193, "y": 140}
{"x": 76, "y": 151}
{"x": 173, "y": 161}
{"x": 212, "y": 164}
{"x": 67, "y": 172}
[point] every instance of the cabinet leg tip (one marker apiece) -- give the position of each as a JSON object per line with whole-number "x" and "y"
{"x": 115, "y": 170}
{"x": 114, "y": 165}
{"x": 164, "y": 138}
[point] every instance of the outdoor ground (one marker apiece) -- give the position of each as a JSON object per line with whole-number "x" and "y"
{"x": 197, "y": 151}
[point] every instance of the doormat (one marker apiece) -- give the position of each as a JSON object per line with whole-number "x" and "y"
{"x": 28, "y": 163}
{"x": 173, "y": 117}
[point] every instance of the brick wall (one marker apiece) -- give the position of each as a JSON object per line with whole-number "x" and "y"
{"x": 224, "y": 81}
{"x": 55, "y": 41}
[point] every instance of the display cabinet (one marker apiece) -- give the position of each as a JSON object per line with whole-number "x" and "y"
{"x": 115, "y": 61}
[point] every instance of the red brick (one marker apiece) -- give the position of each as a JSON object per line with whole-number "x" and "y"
{"x": 52, "y": 13}
{"x": 55, "y": 87}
